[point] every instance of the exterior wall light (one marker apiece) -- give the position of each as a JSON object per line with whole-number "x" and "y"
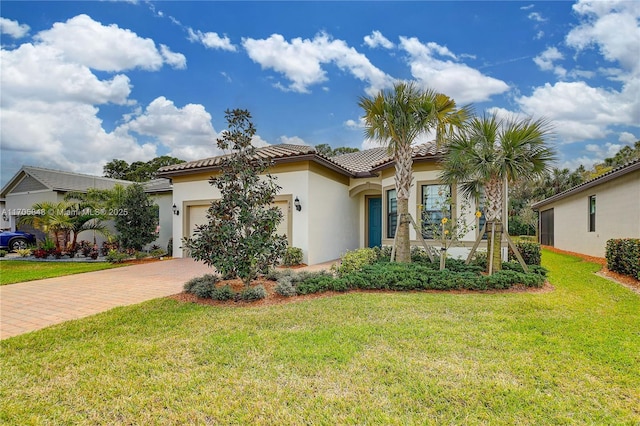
{"x": 297, "y": 204}
{"x": 175, "y": 210}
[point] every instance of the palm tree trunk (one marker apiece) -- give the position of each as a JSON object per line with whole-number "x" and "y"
{"x": 494, "y": 225}
{"x": 404, "y": 165}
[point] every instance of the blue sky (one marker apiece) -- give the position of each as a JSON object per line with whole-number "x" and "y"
{"x": 85, "y": 82}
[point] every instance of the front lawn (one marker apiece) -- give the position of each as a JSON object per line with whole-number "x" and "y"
{"x": 16, "y": 271}
{"x": 569, "y": 356}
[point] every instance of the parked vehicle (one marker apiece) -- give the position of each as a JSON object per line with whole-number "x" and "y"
{"x": 16, "y": 240}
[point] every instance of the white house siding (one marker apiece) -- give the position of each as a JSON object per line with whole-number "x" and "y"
{"x": 333, "y": 226}
{"x": 617, "y": 216}
{"x": 165, "y": 207}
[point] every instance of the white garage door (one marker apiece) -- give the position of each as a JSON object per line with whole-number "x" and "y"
{"x": 198, "y": 216}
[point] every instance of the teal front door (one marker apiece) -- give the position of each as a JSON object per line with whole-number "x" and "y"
{"x": 375, "y": 221}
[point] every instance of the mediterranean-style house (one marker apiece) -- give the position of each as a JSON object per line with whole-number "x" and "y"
{"x": 329, "y": 204}
{"x": 584, "y": 217}
{"x": 31, "y": 185}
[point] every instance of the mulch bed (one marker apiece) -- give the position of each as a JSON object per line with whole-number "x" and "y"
{"x": 274, "y": 298}
{"x": 625, "y": 280}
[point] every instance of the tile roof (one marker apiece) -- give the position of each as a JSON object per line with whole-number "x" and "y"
{"x": 422, "y": 151}
{"x": 628, "y": 167}
{"x": 355, "y": 164}
{"x": 58, "y": 180}
{"x": 361, "y": 161}
{"x": 272, "y": 152}
{"x": 157, "y": 185}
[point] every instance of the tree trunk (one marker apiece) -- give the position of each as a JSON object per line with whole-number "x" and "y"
{"x": 495, "y": 242}
{"x": 403, "y": 243}
{"x": 494, "y": 194}
{"x": 404, "y": 177}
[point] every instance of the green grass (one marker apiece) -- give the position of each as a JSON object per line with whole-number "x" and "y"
{"x": 570, "y": 356}
{"x": 16, "y": 271}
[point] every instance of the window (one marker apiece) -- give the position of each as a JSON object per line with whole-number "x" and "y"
{"x": 435, "y": 206}
{"x": 392, "y": 213}
{"x": 592, "y": 213}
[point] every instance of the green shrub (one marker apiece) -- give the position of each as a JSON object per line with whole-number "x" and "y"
{"x": 292, "y": 256}
{"x": 315, "y": 284}
{"x": 158, "y": 252}
{"x": 419, "y": 254}
{"x": 24, "y": 252}
{"x": 203, "y": 286}
{"x": 623, "y": 256}
{"x": 355, "y": 260}
{"x": 141, "y": 255}
{"x": 223, "y": 293}
{"x": 285, "y": 287}
{"x": 250, "y": 294}
{"x": 383, "y": 253}
{"x": 115, "y": 256}
{"x": 530, "y": 252}
{"x": 3, "y": 253}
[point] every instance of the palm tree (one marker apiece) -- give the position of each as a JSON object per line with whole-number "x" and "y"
{"x": 490, "y": 153}
{"x": 52, "y": 218}
{"x": 396, "y": 118}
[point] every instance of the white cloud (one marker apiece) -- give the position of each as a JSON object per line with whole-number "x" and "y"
{"x": 628, "y": 138}
{"x": 612, "y": 27}
{"x": 581, "y": 112}
{"x": 40, "y": 72}
{"x": 545, "y": 61}
{"x": 376, "y": 39}
{"x": 527, "y": 7}
{"x": 63, "y": 135}
{"x": 455, "y": 79}
{"x": 539, "y": 35}
{"x": 301, "y": 61}
{"x": 175, "y": 60}
{"x": 352, "y": 124}
{"x": 50, "y": 100}
{"x": 13, "y": 28}
{"x": 187, "y": 132}
{"x": 83, "y": 41}
{"x": 535, "y": 16}
{"x": 293, "y": 140}
{"x": 211, "y": 40}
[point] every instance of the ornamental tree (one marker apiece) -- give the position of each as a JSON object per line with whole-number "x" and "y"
{"x": 136, "y": 218}
{"x": 240, "y": 237}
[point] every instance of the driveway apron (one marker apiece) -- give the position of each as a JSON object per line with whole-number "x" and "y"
{"x": 38, "y": 304}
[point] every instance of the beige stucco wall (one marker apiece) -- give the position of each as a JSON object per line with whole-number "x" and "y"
{"x": 617, "y": 216}
{"x": 324, "y": 228}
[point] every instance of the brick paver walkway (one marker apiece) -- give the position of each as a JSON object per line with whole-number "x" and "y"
{"x": 38, "y": 304}
{"x": 34, "y": 305}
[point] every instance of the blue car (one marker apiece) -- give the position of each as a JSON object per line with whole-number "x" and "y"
{"x": 16, "y": 240}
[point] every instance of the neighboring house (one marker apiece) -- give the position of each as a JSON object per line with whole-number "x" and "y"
{"x": 346, "y": 201}
{"x": 31, "y": 185}
{"x": 584, "y": 217}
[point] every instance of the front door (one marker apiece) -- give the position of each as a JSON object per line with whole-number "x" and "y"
{"x": 374, "y": 206}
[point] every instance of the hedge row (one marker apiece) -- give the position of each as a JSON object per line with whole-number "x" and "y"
{"x": 407, "y": 277}
{"x": 623, "y": 256}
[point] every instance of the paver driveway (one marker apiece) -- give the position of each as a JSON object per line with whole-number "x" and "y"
{"x": 34, "y": 305}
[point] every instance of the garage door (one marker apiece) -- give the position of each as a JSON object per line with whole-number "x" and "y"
{"x": 198, "y": 216}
